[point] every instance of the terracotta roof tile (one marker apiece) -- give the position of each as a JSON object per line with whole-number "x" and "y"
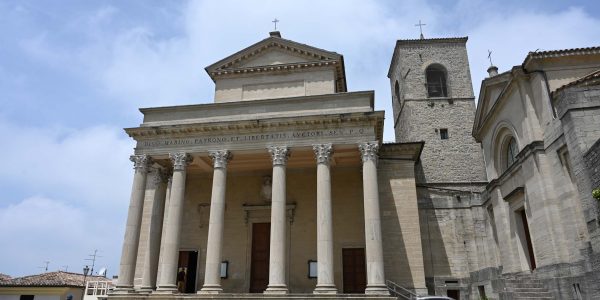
{"x": 58, "y": 278}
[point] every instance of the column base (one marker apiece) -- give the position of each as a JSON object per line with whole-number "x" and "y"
{"x": 280, "y": 289}
{"x": 377, "y": 290}
{"x": 145, "y": 290}
{"x": 168, "y": 289}
{"x": 122, "y": 290}
{"x": 210, "y": 289}
{"x": 325, "y": 289}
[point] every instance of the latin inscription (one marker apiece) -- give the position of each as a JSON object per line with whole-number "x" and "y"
{"x": 262, "y": 137}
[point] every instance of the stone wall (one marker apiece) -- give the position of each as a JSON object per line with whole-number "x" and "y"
{"x": 592, "y": 163}
{"x": 403, "y": 254}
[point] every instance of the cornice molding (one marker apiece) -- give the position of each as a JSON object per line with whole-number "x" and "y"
{"x": 373, "y": 118}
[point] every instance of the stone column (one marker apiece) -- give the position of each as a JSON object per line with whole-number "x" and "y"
{"x": 374, "y": 248}
{"x": 134, "y": 222}
{"x": 214, "y": 245}
{"x": 167, "y": 282}
{"x": 159, "y": 181}
{"x": 277, "y": 258}
{"x": 325, "y": 282}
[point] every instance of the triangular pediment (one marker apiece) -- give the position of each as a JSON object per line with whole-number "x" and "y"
{"x": 271, "y": 57}
{"x": 275, "y": 54}
{"x": 491, "y": 90}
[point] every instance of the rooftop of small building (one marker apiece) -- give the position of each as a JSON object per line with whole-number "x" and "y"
{"x": 50, "y": 279}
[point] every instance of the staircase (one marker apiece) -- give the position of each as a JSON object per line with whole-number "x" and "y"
{"x": 524, "y": 287}
{"x": 399, "y": 291}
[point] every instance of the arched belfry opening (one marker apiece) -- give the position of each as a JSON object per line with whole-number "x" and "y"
{"x": 436, "y": 81}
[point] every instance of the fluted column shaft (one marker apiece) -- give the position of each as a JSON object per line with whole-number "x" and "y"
{"x": 277, "y": 258}
{"x": 170, "y": 254}
{"x": 325, "y": 281}
{"x": 212, "y": 274}
{"x": 373, "y": 243}
{"x": 159, "y": 185}
{"x": 134, "y": 222}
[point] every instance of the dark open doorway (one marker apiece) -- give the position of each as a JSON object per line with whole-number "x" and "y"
{"x": 186, "y": 271}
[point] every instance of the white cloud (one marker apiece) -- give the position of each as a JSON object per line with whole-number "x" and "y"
{"x": 84, "y": 177}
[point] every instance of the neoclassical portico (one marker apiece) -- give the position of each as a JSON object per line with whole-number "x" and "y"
{"x": 278, "y": 263}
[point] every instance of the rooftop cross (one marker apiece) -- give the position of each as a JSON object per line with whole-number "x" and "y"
{"x": 490, "y": 57}
{"x": 275, "y": 21}
{"x": 421, "y": 28}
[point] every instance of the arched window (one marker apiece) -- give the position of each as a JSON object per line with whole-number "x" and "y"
{"x": 436, "y": 81}
{"x": 397, "y": 91}
{"x": 511, "y": 152}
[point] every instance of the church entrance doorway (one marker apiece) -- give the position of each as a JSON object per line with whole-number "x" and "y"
{"x": 186, "y": 271}
{"x": 525, "y": 237}
{"x": 259, "y": 264}
{"x": 354, "y": 270}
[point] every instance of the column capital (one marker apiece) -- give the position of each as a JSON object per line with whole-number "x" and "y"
{"x": 279, "y": 154}
{"x": 180, "y": 160}
{"x": 369, "y": 151}
{"x": 160, "y": 176}
{"x": 323, "y": 153}
{"x": 141, "y": 162}
{"x": 220, "y": 158}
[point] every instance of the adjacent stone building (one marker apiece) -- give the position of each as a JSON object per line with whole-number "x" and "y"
{"x": 282, "y": 187}
{"x": 539, "y": 126}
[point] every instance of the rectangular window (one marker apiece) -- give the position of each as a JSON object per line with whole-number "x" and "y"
{"x": 26, "y": 297}
{"x": 444, "y": 134}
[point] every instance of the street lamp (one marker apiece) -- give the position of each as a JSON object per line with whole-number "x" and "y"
{"x": 86, "y": 269}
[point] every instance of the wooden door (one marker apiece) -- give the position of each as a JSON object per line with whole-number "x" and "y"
{"x": 354, "y": 270}
{"x": 259, "y": 265}
{"x": 528, "y": 239}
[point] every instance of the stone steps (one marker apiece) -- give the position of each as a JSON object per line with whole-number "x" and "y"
{"x": 524, "y": 287}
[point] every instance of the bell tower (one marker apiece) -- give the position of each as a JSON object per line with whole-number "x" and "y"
{"x": 433, "y": 101}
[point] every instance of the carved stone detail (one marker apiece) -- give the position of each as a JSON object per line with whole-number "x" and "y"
{"x": 323, "y": 153}
{"x": 141, "y": 163}
{"x": 369, "y": 151}
{"x": 180, "y": 160}
{"x": 279, "y": 154}
{"x": 220, "y": 158}
{"x": 160, "y": 176}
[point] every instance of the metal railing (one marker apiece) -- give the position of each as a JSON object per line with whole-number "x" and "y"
{"x": 400, "y": 291}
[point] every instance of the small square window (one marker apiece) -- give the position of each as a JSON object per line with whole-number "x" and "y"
{"x": 444, "y": 134}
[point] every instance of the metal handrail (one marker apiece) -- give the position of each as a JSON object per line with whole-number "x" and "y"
{"x": 392, "y": 286}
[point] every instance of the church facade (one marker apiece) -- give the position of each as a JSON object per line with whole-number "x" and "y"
{"x": 284, "y": 188}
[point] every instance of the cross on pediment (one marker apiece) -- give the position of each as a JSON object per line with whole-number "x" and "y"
{"x": 275, "y": 21}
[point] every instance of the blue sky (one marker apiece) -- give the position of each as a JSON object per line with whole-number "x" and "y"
{"x": 73, "y": 73}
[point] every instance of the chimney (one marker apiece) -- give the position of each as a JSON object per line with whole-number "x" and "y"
{"x": 493, "y": 71}
{"x": 275, "y": 34}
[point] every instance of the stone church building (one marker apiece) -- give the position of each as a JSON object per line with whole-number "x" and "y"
{"x": 283, "y": 187}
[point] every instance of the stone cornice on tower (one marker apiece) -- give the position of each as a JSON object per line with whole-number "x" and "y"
{"x": 422, "y": 42}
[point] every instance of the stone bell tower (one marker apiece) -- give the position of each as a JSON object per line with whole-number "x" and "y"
{"x": 433, "y": 102}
